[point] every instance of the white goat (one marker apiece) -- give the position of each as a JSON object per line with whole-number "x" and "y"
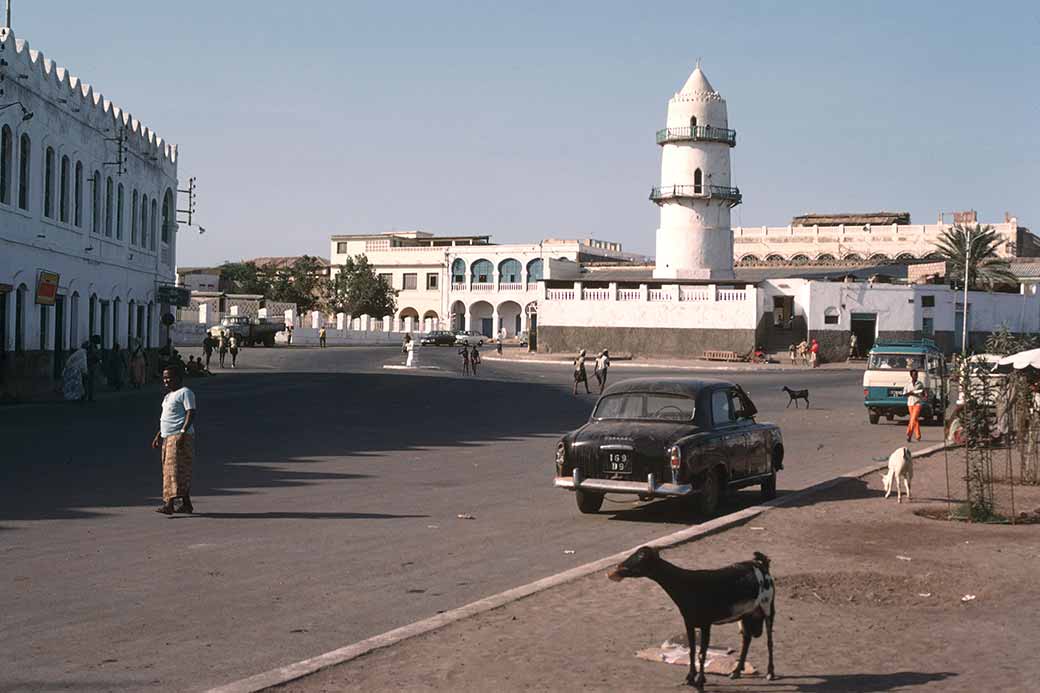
{"x": 900, "y": 468}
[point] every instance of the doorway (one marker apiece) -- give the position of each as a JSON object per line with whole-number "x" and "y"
{"x": 783, "y": 311}
{"x": 487, "y": 327}
{"x": 864, "y": 326}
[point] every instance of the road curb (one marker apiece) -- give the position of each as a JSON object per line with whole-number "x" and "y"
{"x": 306, "y": 667}
{"x": 628, "y": 364}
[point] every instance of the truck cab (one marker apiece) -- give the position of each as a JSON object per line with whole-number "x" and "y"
{"x": 888, "y": 371}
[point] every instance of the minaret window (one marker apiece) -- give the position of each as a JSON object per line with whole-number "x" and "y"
{"x": 697, "y": 181}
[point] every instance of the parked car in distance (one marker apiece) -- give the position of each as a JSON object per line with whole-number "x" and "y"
{"x": 469, "y": 338}
{"x": 249, "y": 332}
{"x": 687, "y": 438}
{"x": 438, "y": 338}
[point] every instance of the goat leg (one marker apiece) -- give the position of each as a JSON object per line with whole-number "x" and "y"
{"x": 745, "y": 643}
{"x": 691, "y": 637}
{"x": 770, "y": 673}
{"x": 705, "y": 640}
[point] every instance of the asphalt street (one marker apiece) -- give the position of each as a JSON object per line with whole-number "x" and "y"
{"x": 327, "y": 491}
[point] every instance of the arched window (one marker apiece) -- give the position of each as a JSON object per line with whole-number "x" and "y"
{"x": 167, "y": 216}
{"x": 509, "y": 271}
{"x": 458, "y": 271}
{"x": 48, "y": 183}
{"x": 693, "y": 124}
{"x": 131, "y": 313}
{"x": 826, "y": 257}
{"x": 119, "y": 213}
{"x": 74, "y": 321}
{"x": 534, "y": 271}
{"x": 151, "y": 234}
{"x": 481, "y": 272}
{"x": 6, "y": 144}
{"x": 800, "y": 259}
{"x": 91, "y": 315}
{"x": 19, "y": 317}
{"x": 749, "y": 260}
{"x": 853, "y": 257}
{"x": 77, "y": 203}
{"x": 148, "y": 327}
{"x": 697, "y": 187}
{"x": 108, "y": 206}
{"x": 830, "y": 316}
{"x": 775, "y": 259}
{"x": 144, "y": 221}
{"x": 95, "y": 208}
{"x": 24, "y": 154}
{"x": 879, "y": 258}
{"x": 116, "y": 306}
{"x": 63, "y": 190}
{"x": 133, "y": 218}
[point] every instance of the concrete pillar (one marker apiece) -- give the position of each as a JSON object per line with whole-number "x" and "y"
{"x": 290, "y": 317}
{"x": 496, "y": 279}
{"x": 387, "y": 323}
{"x": 577, "y": 291}
{"x": 495, "y": 327}
{"x": 261, "y": 313}
{"x": 469, "y": 319}
{"x": 408, "y": 325}
{"x": 341, "y": 321}
{"x": 713, "y": 292}
{"x": 349, "y": 322}
{"x": 612, "y": 291}
{"x": 234, "y": 311}
{"x": 355, "y": 324}
{"x": 204, "y": 313}
{"x": 523, "y": 319}
{"x": 644, "y": 293}
{"x": 364, "y": 322}
{"x": 316, "y": 319}
{"x": 397, "y": 324}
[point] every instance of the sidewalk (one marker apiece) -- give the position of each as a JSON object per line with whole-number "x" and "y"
{"x": 870, "y": 597}
{"x": 518, "y": 355}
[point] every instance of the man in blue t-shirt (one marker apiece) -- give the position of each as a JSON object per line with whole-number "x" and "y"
{"x": 176, "y": 439}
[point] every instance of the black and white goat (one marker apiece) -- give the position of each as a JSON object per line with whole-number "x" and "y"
{"x": 741, "y": 592}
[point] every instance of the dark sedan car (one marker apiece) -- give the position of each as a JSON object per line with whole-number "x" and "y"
{"x": 670, "y": 437}
{"x": 438, "y": 338}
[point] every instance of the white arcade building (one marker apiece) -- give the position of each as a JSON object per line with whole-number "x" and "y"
{"x": 693, "y": 300}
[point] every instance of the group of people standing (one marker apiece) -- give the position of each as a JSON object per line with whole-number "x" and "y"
{"x": 470, "y": 359}
{"x": 807, "y": 351}
{"x": 224, "y": 344}
{"x": 118, "y": 366}
{"x": 600, "y": 368}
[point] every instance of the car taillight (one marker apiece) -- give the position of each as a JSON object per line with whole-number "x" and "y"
{"x": 866, "y": 393}
{"x": 675, "y": 458}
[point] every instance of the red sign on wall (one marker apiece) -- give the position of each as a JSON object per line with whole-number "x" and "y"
{"x": 46, "y": 287}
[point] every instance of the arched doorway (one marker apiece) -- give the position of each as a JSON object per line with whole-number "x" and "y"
{"x": 431, "y": 321}
{"x": 509, "y": 313}
{"x": 458, "y": 316}
{"x": 458, "y": 271}
{"x": 409, "y": 313}
{"x": 481, "y": 318}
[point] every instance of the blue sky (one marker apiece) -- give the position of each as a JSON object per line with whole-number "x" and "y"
{"x": 534, "y": 119}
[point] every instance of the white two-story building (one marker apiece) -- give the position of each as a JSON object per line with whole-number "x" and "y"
{"x": 87, "y": 219}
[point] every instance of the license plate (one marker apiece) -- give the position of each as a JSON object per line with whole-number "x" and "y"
{"x": 617, "y": 462}
{"x": 895, "y": 391}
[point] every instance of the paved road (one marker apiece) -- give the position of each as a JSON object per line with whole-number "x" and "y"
{"x": 326, "y": 490}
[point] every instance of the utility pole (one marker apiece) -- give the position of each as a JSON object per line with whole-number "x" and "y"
{"x": 8, "y": 25}
{"x": 964, "y": 313}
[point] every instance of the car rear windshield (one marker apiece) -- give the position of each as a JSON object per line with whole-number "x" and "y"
{"x": 900, "y": 362}
{"x": 641, "y": 406}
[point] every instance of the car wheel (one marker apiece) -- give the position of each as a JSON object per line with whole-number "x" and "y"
{"x": 768, "y": 487}
{"x": 710, "y": 496}
{"x": 874, "y": 418}
{"x": 588, "y": 502}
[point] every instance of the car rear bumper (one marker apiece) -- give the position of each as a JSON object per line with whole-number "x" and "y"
{"x": 649, "y": 488}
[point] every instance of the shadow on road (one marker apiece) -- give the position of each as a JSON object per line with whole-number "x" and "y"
{"x": 261, "y": 430}
{"x": 288, "y": 515}
{"x": 849, "y": 683}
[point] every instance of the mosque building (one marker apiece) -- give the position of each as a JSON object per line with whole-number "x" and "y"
{"x": 695, "y": 299}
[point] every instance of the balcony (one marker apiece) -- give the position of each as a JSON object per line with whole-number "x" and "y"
{"x": 701, "y": 133}
{"x": 704, "y": 192}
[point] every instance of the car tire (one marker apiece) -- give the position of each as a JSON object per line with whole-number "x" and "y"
{"x": 768, "y": 487}
{"x": 588, "y": 503}
{"x": 710, "y": 497}
{"x": 874, "y": 418}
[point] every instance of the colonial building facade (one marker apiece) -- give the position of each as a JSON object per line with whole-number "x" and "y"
{"x": 88, "y": 227}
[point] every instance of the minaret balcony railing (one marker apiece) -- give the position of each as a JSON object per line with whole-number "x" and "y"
{"x": 704, "y": 192}
{"x": 700, "y": 133}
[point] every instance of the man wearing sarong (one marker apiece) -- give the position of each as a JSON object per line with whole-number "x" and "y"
{"x": 176, "y": 440}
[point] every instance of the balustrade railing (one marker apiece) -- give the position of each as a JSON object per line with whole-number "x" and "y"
{"x": 684, "y": 294}
{"x": 694, "y": 293}
{"x": 511, "y": 286}
{"x": 595, "y": 294}
{"x": 559, "y": 294}
{"x": 458, "y": 286}
{"x": 730, "y": 295}
{"x": 659, "y": 295}
{"x": 482, "y": 286}
{"x": 629, "y": 295}
{"x": 671, "y": 192}
{"x": 700, "y": 133}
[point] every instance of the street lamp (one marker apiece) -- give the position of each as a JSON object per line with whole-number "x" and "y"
{"x": 26, "y": 113}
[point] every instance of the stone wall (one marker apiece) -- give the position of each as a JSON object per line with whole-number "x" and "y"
{"x": 644, "y": 341}
{"x": 834, "y": 344}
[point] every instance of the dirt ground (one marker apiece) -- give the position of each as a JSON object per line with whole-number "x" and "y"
{"x": 870, "y": 597}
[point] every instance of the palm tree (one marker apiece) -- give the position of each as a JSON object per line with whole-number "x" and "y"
{"x": 985, "y": 267}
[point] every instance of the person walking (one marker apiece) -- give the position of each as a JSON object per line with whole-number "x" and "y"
{"x": 138, "y": 365}
{"x": 580, "y": 376}
{"x": 74, "y": 374}
{"x": 600, "y": 371}
{"x": 117, "y": 367}
{"x": 176, "y": 440}
{"x": 474, "y": 358}
{"x": 464, "y": 353}
{"x": 222, "y": 348}
{"x": 814, "y": 353}
{"x": 233, "y": 348}
{"x": 853, "y": 341}
{"x": 408, "y": 348}
{"x": 207, "y": 348}
{"x": 288, "y": 338}
{"x": 321, "y": 337}
{"x": 915, "y": 394}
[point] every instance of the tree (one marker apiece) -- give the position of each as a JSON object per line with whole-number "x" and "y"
{"x": 358, "y": 291}
{"x": 302, "y": 283}
{"x": 985, "y": 267}
{"x": 244, "y": 278}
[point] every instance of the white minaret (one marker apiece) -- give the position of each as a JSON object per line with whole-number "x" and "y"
{"x": 695, "y": 240}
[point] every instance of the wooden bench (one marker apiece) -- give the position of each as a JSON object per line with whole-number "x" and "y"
{"x": 720, "y": 355}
